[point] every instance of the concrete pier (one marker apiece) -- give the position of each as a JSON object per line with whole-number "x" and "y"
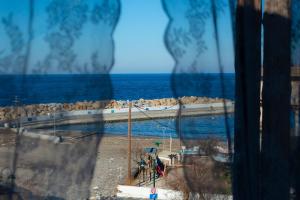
{"x": 115, "y": 115}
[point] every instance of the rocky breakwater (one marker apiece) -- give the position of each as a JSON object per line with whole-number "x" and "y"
{"x": 10, "y": 113}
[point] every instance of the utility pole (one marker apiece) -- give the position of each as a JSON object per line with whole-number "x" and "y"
{"x": 129, "y": 141}
{"x": 17, "y": 120}
{"x": 170, "y": 142}
{"x": 164, "y": 129}
{"x": 154, "y": 171}
{"x": 54, "y": 125}
{"x": 179, "y": 124}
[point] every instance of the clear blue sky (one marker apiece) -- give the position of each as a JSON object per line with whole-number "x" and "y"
{"x": 139, "y": 45}
{"x": 139, "y": 40}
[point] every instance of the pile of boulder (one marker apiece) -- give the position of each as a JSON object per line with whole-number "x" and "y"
{"x": 13, "y": 112}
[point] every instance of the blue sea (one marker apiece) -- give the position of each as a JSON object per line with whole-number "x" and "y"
{"x": 191, "y": 127}
{"x": 32, "y": 89}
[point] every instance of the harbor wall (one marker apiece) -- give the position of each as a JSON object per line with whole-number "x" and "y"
{"x": 44, "y": 115}
{"x": 116, "y": 115}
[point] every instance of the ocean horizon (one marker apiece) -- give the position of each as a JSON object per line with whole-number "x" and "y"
{"x": 69, "y": 88}
{"x": 36, "y": 89}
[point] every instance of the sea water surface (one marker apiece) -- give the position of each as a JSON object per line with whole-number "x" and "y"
{"x": 33, "y": 89}
{"x": 192, "y": 127}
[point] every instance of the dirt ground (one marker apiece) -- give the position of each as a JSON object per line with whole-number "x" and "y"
{"x": 93, "y": 166}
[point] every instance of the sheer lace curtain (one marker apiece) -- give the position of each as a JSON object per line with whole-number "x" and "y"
{"x": 75, "y": 37}
{"x": 266, "y": 98}
{"x": 55, "y": 37}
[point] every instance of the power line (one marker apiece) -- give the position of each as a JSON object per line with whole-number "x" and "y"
{"x": 167, "y": 108}
{"x": 161, "y": 124}
{"x": 141, "y": 110}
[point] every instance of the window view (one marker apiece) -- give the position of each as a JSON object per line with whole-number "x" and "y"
{"x": 160, "y": 99}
